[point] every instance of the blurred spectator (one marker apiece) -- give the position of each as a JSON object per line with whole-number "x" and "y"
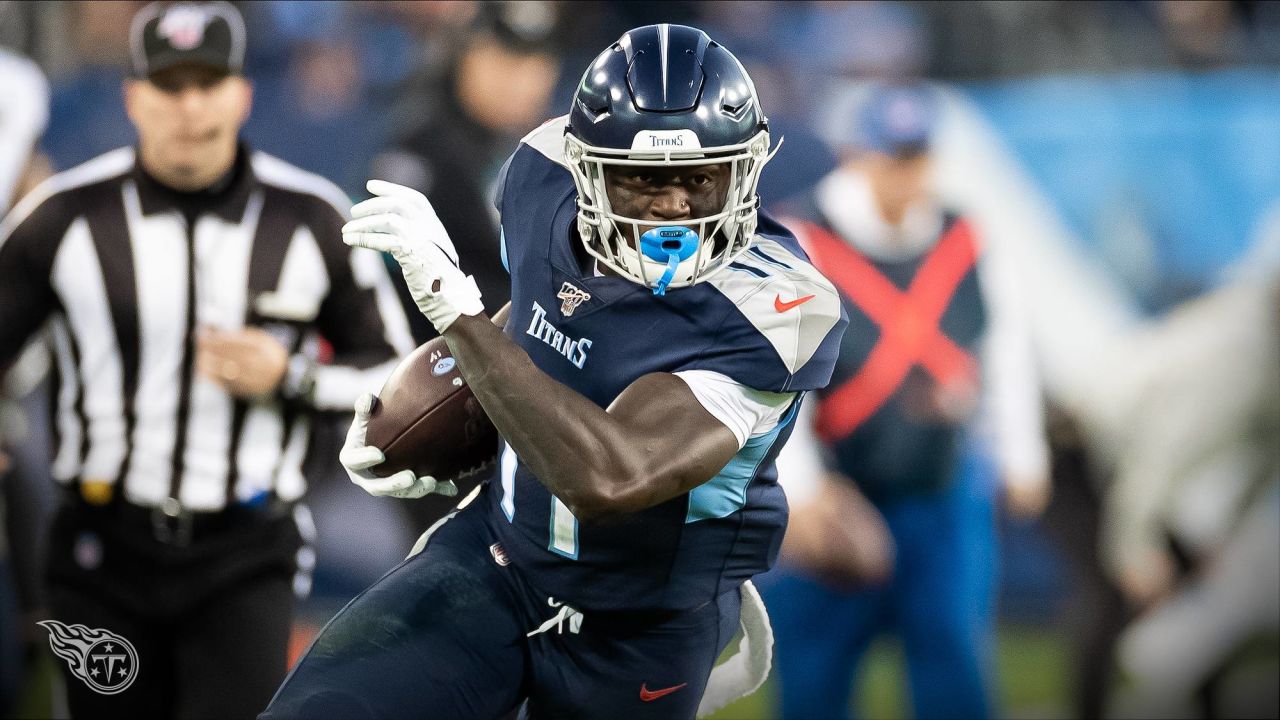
{"x": 1200, "y": 138}
{"x": 878, "y": 40}
{"x": 322, "y": 74}
{"x": 1202, "y": 35}
{"x": 26, "y": 95}
{"x": 935, "y": 335}
{"x": 87, "y": 117}
{"x": 1199, "y": 461}
{"x": 1092, "y": 611}
{"x": 991, "y": 38}
{"x": 786, "y": 83}
{"x": 22, "y": 122}
{"x": 186, "y": 282}
{"x": 462, "y": 122}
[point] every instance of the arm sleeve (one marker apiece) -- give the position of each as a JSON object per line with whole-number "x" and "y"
{"x": 745, "y": 411}
{"x": 29, "y": 239}
{"x": 361, "y": 317}
{"x": 1013, "y": 409}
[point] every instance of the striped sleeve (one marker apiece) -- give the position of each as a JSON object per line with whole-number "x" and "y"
{"x": 360, "y": 315}
{"x": 29, "y": 240}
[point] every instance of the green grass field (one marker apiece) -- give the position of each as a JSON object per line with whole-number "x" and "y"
{"x": 1032, "y": 681}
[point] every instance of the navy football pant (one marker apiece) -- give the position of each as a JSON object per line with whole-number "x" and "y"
{"x": 940, "y": 602}
{"x": 446, "y": 635}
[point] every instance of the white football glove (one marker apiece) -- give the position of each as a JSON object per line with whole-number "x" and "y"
{"x": 357, "y": 458}
{"x": 402, "y": 222}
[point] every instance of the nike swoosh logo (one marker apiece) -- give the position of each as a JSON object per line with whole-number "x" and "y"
{"x": 782, "y": 307}
{"x": 647, "y": 695}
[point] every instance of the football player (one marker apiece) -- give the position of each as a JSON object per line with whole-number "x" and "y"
{"x": 660, "y": 336}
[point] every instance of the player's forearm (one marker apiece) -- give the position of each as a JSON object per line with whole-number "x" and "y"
{"x": 575, "y": 448}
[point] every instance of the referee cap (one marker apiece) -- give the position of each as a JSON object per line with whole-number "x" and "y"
{"x": 164, "y": 35}
{"x": 896, "y": 120}
{"x": 526, "y": 27}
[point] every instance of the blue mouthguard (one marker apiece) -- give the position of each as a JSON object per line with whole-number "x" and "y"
{"x": 671, "y": 245}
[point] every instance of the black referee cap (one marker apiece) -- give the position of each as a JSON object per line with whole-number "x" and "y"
{"x": 525, "y": 26}
{"x": 166, "y": 34}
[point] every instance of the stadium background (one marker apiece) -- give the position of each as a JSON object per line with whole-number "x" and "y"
{"x": 1145, "y": 134}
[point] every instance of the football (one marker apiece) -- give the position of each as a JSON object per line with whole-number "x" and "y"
{"x": 427, "y": 420}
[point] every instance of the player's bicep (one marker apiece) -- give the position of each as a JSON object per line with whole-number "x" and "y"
{"x": 683, "y": 444}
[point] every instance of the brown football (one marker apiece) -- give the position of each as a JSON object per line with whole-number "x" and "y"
{"x": 426, "y": 419}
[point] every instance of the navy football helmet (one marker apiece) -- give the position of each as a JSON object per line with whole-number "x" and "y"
{"x": 666, "y": 95}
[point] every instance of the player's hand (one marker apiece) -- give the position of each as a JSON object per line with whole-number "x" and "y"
{"x": 840, "y": 537}
{"x": 357, "y": 458}
{"x": 248, "y": 362}
{"x": 1026, "y": 496}
{"x": 1147, "y": 578}
{"x": 402, "y": 222}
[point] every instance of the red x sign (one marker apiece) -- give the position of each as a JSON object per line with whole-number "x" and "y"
{"x": 909, "y": 331}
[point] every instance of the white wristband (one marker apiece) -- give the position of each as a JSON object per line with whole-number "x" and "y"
{"x": 457, "y": 296}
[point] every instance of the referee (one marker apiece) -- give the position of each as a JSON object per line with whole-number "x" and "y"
{"x": 187, "y": 282}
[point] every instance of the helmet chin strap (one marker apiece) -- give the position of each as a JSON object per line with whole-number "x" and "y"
{"x": 671, "y": 245}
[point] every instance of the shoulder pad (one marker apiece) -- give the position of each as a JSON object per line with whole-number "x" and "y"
{"x": 548, "y": 139}
{"x": 784, "y": 297}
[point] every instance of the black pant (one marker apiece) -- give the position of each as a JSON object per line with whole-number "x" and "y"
{"x": 210, "y": 620}
{"x": 453, "y": 633}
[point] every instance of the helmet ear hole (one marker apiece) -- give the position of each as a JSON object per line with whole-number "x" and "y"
{"x": 735, "y": 111}
{"x": 594, "y": 111}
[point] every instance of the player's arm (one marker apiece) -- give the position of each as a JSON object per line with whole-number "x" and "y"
{"x": 654, "y": 443}
{"x": 366, "y": 326}
{"x": 29, "y": 238}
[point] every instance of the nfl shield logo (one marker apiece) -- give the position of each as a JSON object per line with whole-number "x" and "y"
{"x": 499, "y": 554}
{"x": 183, "y": 26}
{"x": 571, "y": 298}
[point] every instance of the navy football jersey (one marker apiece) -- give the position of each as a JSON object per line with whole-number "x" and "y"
{"x": 769, "y": 321}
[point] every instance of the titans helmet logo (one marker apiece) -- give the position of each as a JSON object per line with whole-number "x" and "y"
{"x": 571, "y": 297}
{"x": 103, "y": 660}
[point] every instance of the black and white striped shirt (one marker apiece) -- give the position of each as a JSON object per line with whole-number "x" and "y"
{"x": 103, "y": 254}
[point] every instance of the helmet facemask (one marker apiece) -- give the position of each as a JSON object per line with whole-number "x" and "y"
{"x": 677, "y": 253}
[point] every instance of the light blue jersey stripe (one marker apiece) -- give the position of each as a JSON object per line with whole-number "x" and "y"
{"x": 726, "y": 493}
